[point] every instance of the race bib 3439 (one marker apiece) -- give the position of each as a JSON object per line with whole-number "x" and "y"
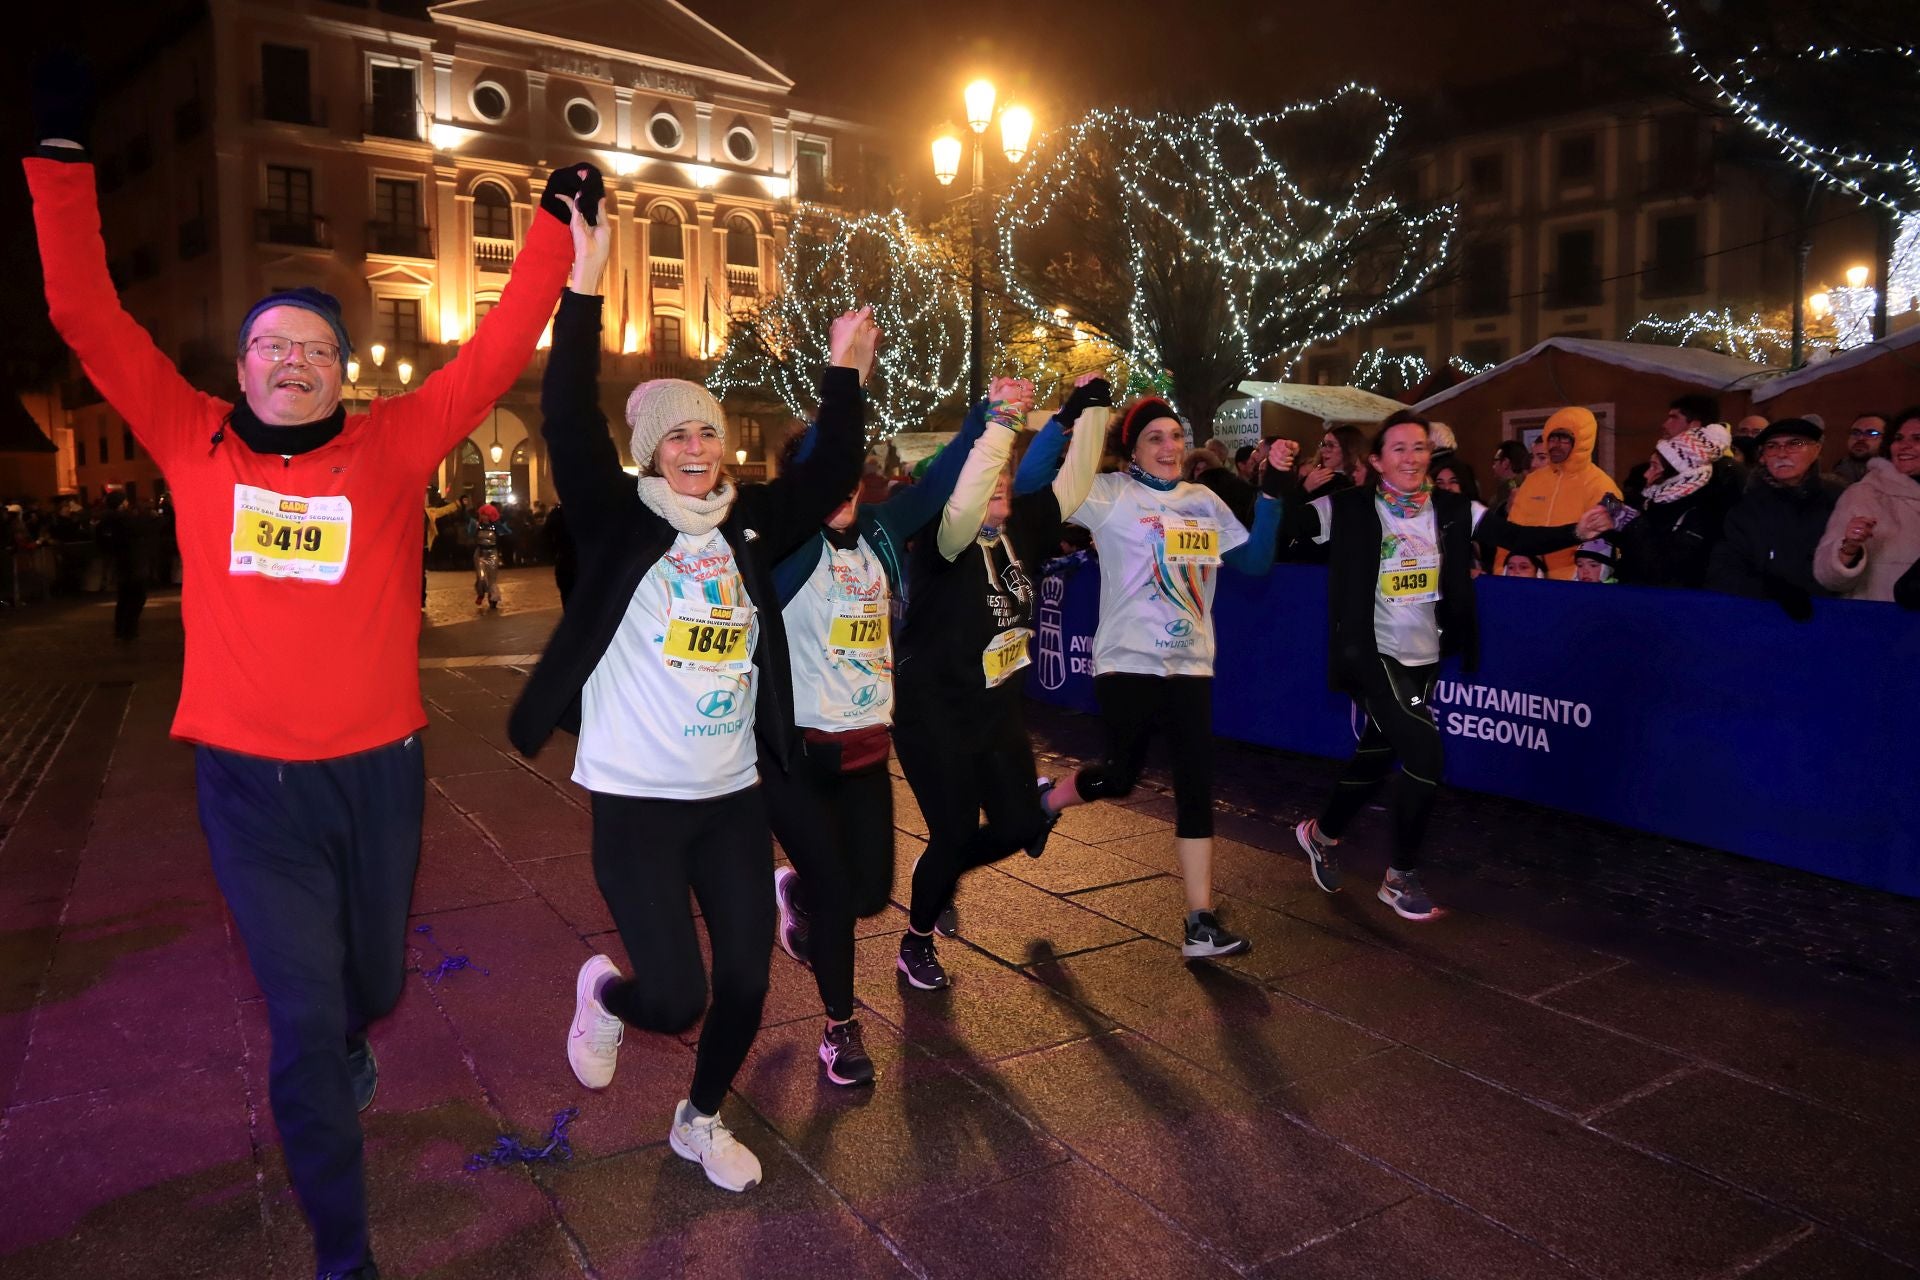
{"x": 279, "y": 535}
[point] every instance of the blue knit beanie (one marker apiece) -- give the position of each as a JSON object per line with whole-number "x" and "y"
{"x": 324, "y": 305}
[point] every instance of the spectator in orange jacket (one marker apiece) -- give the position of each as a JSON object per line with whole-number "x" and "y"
{"x": 1563, "y": 490}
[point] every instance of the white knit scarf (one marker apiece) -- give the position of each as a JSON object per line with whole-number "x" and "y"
{"x": 697, "y": 516}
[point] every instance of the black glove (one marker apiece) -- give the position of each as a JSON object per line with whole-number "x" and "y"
{"x": 63, "y": 97}
{"x": 580, "y": 180}
{"x": 1278, "y": 482}
{"x": 1099, "y": 391}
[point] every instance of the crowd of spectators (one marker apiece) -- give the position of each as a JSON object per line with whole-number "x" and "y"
{"x": 67, "y": 546}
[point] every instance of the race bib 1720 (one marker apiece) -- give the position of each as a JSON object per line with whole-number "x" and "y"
{"x": 1191, "y": 540}
{"x": 279, "y": 535}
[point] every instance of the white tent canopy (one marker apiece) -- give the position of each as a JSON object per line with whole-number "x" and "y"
{"x": 1329, "y": 404}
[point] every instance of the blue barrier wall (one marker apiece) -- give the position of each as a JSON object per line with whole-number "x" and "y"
{"x": 1689, "y": 714}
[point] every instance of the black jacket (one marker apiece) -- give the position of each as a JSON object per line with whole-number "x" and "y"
{"x": 619, "y": 539}
{"x": 1353, "y": 580}
{"x": 1770, "y": 537}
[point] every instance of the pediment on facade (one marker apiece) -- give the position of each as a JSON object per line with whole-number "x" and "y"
{"x": 397, "y": 274}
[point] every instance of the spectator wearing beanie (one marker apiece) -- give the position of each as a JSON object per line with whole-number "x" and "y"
{"x": 1564, "y": 490}
{"x": 1593, "y": 562}
{"x": 1873, "y": 536}
{"x": 1775, "y": 528}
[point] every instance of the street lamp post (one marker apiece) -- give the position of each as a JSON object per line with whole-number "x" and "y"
{"x": 1016, "y": 130}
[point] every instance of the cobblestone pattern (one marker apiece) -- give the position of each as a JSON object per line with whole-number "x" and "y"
{"x": 34, "y": 718}
{"x": 1688, "y": 893}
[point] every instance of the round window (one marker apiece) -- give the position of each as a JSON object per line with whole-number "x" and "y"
{"x": 583, "y": 117}
{"x": 742, "y": 145}
{"x": 665, "y": 131}
{"x": 490, "y": 101}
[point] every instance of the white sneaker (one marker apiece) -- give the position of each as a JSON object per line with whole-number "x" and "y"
{"x": 593, "y": 1044}
{"x": 707, "y": 1141}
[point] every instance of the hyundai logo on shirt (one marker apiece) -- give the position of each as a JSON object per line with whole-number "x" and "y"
{"x": 1180, "y": 628}
{"x": 715, "y": 705}
{"x": 865, "y": 694}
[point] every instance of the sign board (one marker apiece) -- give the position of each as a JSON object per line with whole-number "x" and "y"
{"x": 1237, "y": 423}
{"x": 1329, "y": 404}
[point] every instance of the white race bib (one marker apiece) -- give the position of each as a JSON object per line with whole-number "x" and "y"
{"x": 279, "y": 535}
{"x": 707, "y": 637}
{"x": 1006, "y": 654}
{"x": 1410, "y": 579}
{"x": 1190, "y": 539}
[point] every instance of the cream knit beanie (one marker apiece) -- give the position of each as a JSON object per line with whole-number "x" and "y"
{"x": 657, "y": 407}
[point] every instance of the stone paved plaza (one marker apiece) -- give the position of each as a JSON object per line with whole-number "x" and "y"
{"x": 1545, "y": 1083}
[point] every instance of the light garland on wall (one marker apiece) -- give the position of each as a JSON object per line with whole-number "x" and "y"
{"x": 1386, "y": 372}
{"x": 1893, "y": 183}
{"x": 1287, "y": 262}
{"x": 833, "y": 263}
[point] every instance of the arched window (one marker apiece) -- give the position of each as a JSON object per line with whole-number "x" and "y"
{"x": 663, "y": 237}
{"x": 492, "y": 211}
{"x": 743, "y": 242}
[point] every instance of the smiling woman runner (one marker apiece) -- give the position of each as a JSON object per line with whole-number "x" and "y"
{"x": 1161, "y": 542}
{"x": 1399, "y": 597}
{"x": 833, "y": 812}
{"x": 960, "y": 732}
{"x": 672, "y": 655}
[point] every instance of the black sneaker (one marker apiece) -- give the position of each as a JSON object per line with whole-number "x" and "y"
{"x": 845, "y": 1055}
{"x": 1403, "y": 891}
{"x": 947, "y": 923}
{"x": 1039, "y": 845}
{"x": 919, "y": 963}
{"x": 1321, "y": 858}
{"x": 793, "y": 933}
{"x": 365, "y": 1072}
{"x": 1206, "y": 938}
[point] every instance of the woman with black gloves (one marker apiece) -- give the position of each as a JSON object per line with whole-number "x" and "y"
{"x": 960, "y": 731}
{"x": 841, "y": 594}
{"x": 672, "y": 661}
{"x": 1161, "y": 543}
{"x": 1399, "y": 598}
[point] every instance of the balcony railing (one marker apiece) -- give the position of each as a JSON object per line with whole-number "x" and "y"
{"x": 493, "y": 253}
{"x": 644, "y": 366}
{"x": 281, "y": 226}
{"x": 283, "y": 107}
{"x": 399, "y": 240}
{"x": 743, "y": 281}
{"x": 669, "y": 273}
{"x": 384, "y": 121}
{"x": 1564, "y": 292}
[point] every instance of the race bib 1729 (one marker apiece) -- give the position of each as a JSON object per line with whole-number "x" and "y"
{"x": 279, "y": 535}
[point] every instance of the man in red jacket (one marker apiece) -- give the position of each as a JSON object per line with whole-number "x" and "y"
{"x": 299, "y": 534}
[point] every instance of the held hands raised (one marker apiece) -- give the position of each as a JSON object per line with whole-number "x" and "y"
{"x": 1008, "y": 401}
{"x": 853, "y": 341}
{"x": 1089, "y": 389}
{"x": 1281, "y": 452}
{"x": 1596, "y": 521}
{"x": 591, "y": 247}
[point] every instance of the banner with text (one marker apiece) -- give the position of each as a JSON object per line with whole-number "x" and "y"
{"x": 1689, "y": 714}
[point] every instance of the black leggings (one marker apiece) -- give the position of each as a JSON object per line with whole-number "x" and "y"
{"x": 959, "y": 765}
{"x": 837, "y": 829}
{"x": 646, "y": 855}
{"x": 1135, "y": 707}
{"x": 1398, "y": 702}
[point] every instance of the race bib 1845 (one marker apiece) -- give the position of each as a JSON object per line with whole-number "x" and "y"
{"x": 710, "y": 637}
{"x": 279, "y": 535}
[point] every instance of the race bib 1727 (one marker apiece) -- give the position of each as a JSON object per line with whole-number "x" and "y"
{"x": 1006, "y": 654}
{"x": 279, "y": 535}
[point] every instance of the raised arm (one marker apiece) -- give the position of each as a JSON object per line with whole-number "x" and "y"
{"x": 458, "y": 396}
{"x": 792, "y": 507}
{"x": 918, "y": 505}
{"x": 973, "y": 492}
{"x": 119, "y": 357}
{"x": 1042, "y": 461}
{"x": 1255, "y": 556}
{"x": 586, "y": 464}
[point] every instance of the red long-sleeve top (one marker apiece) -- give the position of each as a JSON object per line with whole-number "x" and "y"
{"x": 301, "y": 576}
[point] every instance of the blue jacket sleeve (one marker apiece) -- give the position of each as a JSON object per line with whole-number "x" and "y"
{"x": 1042, "y": 460}
{"x": 1255, "y": 556}
{"x": 792, "y": 573}
{"x": 917, "y": 505}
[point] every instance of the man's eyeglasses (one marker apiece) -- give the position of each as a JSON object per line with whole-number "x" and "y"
{"x": 274, "y": 350}
{"x": 1866, "y": 433}
{"x": 1791, "y": 444}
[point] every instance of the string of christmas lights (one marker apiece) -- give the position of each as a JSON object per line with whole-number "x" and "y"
{"x": 1890, "y": 182}
{"x": 1749, "y": 339}
{"x": 1290, "y": 263}
{"x": 1903, "y": 267}
{"x": 1387, "y": 372}
{"x": 833, "y": 263}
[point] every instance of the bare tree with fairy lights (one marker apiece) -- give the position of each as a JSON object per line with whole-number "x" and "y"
{"x": 834, "y": 263}
{"x": 1219, "y": 245}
